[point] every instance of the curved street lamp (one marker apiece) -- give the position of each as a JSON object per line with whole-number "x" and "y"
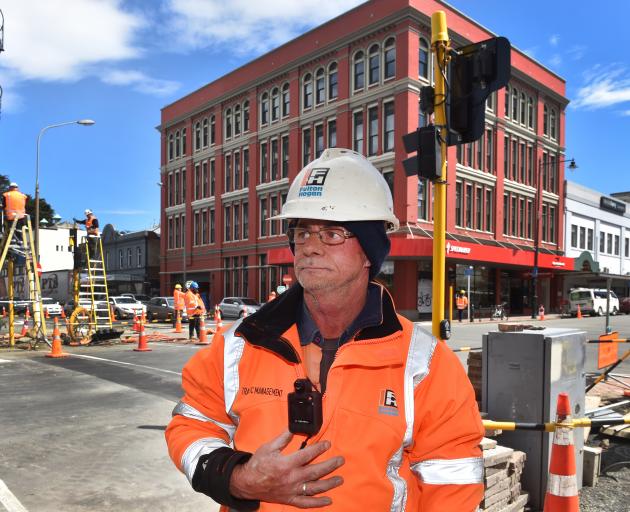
{"x": 82, "y": 122}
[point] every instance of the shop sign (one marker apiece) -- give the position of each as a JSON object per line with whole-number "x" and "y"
{"x": 459, "y": 249}
{"x": 606, "y": 203}
{"x": 558, "y": 263}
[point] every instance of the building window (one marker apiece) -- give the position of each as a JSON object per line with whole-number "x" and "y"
{"x": 228, "y": 123}
{"x": 197, "y": 136}
{"x": 245, "y": 221}
{"x": 375, "y": 64}
{"x": 319, "y": 140}
{"x": 204, "y": 227}
{"x": 129, "y": 258}
{"x": 306, "y": 146}
{"x": 263, "y": 217}
{"x": 530, "y": 165}
{"x": 388, "y": 127}
{"x": 171, "y": 190}
{"x": 332, "y": 133}
{"x": 184, "y": 142}
{"x": 286, "y": 100}
{"x": 204, "y": 133}
{"x": 478, "y": 208}
{"x": 423, "y": 202}
{"x": 285, "y": 156}
{"x": 197, "y": 191}
{"x": 522, "y": 218}
{"x": 357, "y": 143}
{"x": 390, "y": 58}
{"x": 228, "y": 173}
{"x": 213, "y": 130}
{"x": 458, "y": 204}
{"x": 264, "y": 158}
{"x": 237, "y": 120}
{"x": 227, "y": 227}
{"x": 552, "y": 124}
{"x": 246, "y": 116}
{"x": 589, "y": 243}
{"x": 582, "y": 237}
{"x": 552, "y": 225}
{"x": 530, "y": 112}
{"x": 545, "y": 120}
{"x": 307, "y": 91}
{"x": 332, "y": 81}
{"x": 373, "y": 131}
{"x": 245, "y": 168}
{"x": 602, "y": 242}
{"x": 320, "y": 87}
{"x": 522, "y": 108}
{"x": 237, "y": 171}
{"x": 469, "y": 205}
{"x": 626, "y": 247}
{"x": 121, "y": 261}
{"x": 488, "y": 206}
{"x": 264, "y": 109}
{"x": 212, "y": 177}
{"x": 237, "y": 225}
{"x": 574, "y": 236}
{"x": 514, "y": 160}
{"x": 359, "y": 71}
{"x": 177, "y": 144}
{"x": 521, "y": 162}
{"x": 423, "y": 59}
{"x": 274, "y": 159}
{"x": 275, "y": 104}
{"x": 514, "y": 105}
{"x": 170, "y": 146}
{"x": 489, "y": 152}
{"x": 616, "y": 245}
{"x": 506, "y": 110}
{"x": 196, "y": 228}
{"x": 212, "y": 227}
{"x": 274, "y": 211}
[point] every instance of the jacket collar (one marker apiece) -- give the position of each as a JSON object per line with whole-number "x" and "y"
{"x": 266, "y": 327}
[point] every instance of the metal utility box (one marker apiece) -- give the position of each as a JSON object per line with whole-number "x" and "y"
{"x": 523, "y": 373}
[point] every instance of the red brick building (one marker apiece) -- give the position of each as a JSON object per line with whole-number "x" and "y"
{"x": 230, "y": 150}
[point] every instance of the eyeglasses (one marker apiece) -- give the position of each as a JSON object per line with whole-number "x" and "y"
{"x": 328, "y": 236}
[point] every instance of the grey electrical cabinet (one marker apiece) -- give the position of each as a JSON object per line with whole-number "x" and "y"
{"x": 523, "y": 373}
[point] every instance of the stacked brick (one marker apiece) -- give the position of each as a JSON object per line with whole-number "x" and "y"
{"x": 502, "y": 477}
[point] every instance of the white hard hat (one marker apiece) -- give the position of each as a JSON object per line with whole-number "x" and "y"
{"x": 341, "y": 185}
{"x": 13, "y": 184}
{"x": 88, "y": 212}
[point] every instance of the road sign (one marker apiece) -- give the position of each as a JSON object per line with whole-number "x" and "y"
{"x": 469, "y": 272}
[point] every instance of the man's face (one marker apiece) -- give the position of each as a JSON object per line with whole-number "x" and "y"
{"x": 320, "y": 267}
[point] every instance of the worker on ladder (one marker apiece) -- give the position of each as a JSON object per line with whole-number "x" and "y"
{"x": 91, "y": 226}
{"x": 14, "y": 207}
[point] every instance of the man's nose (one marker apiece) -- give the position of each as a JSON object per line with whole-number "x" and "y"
{"x": 313, "y": 244}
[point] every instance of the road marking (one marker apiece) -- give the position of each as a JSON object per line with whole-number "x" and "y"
{"x": 126, "y": 363}
{"x": 8, "y": 500}
{"x": 6, "y": 360}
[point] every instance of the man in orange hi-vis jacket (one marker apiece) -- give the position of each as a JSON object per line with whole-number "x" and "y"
{"x": 179, "y": 303}
{"x": 326, "y": 397}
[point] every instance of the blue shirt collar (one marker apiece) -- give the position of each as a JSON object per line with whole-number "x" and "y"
{"x": 370, "y": 315}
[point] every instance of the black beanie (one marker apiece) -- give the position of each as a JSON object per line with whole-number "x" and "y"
{"x": 372, "y": 237}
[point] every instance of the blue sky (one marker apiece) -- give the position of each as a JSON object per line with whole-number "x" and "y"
{"x": 120, "y": 61}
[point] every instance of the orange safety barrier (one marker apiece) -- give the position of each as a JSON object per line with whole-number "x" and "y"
{"x": 607, "y": 353}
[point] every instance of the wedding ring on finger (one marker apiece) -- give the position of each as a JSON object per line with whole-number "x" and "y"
{"x": 304, "y": 489}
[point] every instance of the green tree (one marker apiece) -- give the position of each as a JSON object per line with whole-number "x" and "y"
{"x": 46, "y": 211}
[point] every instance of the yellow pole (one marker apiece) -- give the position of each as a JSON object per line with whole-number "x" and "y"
{"x": 450, "y": 304}
{"x": 439, "y": 43}
{"x": 11, "y": 308}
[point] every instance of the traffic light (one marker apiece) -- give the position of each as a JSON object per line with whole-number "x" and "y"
{"x": 477, "y": 70}
{"x": 427, "y": 163}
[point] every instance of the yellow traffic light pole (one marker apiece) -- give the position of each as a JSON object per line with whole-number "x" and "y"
{"x": 440, "y": 47}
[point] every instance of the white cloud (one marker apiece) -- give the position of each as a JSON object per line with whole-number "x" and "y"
{"x": 248, "y": 26}
{"x": 604, "y": 87}
{"x": 554, "y": 40}
{"x": 576, "y": 52}
{"x": 124, "y": 212}
{"x": 140, "y": 82}
{"x": 555, "y": 60}
{"x": 625, "y": 113}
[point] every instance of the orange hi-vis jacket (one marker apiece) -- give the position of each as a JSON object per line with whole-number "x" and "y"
{"x": 179, "y": 300}
{"x": 192, "y": 302}
{"x": 398, "y": 407}
{"x": 462, "y": 302}
{"x": 15, "y": 204}
{"x": 91, "y": 230}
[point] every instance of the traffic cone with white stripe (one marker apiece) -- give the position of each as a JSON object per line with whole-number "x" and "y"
{"x": 579, "y": 313}
{"x": 143, "y": 345}
{"x": 136, "y": 323}
{"x": 203, "y": 334}
{"x": 27, "y": 315}
{"x": 55, "y": 350}
{"x": 218, "y": 325}
{"x": 178, "y": 321}
{"x": 562, "y": 492}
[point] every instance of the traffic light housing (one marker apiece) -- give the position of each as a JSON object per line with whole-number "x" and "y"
{"x": 427, "y": 163}
{"x": 477, "y": 70}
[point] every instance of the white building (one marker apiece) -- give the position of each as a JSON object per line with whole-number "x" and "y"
{"x": 597, "y": 231}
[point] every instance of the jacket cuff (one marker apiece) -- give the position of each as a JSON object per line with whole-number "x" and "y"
{"x": 212, "y": 478}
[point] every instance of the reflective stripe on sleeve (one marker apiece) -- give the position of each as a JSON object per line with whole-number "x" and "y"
{"x": 450, "y": 471}
{"x": 232, "y": 352}
{"x": 196, "y": 450}
{"x": 421, "y": 349}
{"x": 183, "y": 409}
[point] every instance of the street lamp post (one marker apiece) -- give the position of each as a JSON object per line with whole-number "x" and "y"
{"x": 539, "y": 189}
{"x": 83, "y": 122}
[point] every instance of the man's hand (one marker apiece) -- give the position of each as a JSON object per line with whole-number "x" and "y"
{"x": 291, "y": 479}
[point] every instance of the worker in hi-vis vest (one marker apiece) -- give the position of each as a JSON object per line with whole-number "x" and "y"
{"x": 462, "y": 303}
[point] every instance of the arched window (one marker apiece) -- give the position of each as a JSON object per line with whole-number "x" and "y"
{"x": 246, "y": 116}
{"x": 423, "y": 59}
{"x": 375, "y": 64}
{"x": 307, "y": 91}
{"x": 177, "y": 144}
{"x": 264, "y": 109}
{"x": 332, "y": 81}
{"x": 530, "y": 112}
{"x": 204, "y": 133}
{"x": 183, "y": 141}
{"x": 390, "y": 58}
{"x": 546, "y": 121}
{"x": 228, "y": 123}
{"x": 275, "y": 104}
{"x": 522, "y": 106}
{"x": 197, "y": 135}
{"x": 515, "y": 105}
{"x": 552, "y": 124}
{"x": 359, "y": 71}
{"x": 213, "y": 130}
{"x": 170, "y": 146}
{"x": 237, "y": 120}
{"x": 129, "y": 262}
{"x": 507, "y": 100}
{"x": 286, "y": 100}
{"x": 320, "y": 87}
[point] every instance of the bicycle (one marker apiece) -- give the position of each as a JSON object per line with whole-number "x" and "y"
{"x": 499, "y": 312}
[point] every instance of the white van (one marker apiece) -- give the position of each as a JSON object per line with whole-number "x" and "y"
{"x": 593, "y": 301}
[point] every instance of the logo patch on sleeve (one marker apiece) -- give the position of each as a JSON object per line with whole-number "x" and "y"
{"x": 387, "y": 403}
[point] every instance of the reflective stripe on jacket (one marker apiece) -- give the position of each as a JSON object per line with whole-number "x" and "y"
{"x": 398, "y": 406}
{"x": 179, "y": 300}
{"x": 15, "y": 204}
{"x": 192, "y": 302}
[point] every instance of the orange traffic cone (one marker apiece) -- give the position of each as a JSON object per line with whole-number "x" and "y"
{"x": 63, "y": 313}
{"x": 56, "y": 343}
{"x": 27, "y": 315}
{"x": 579, "y": 313}
{"x": 178, "y": 321}
{"x": 136, "y": 324}
{"x": 143, "y": 345}
{"x": 218, "y": 327}
{"x": 541, "y": 313}
{"x": 203, "y": 334}
{"x": 46, "y": 314}
{"x": 562, "y": 492}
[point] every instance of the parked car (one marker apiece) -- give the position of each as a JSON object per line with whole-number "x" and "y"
{"x": 126, "y": 307}
{"x": 70, "y": 306}
{"x": 19, "y": 305}
{"x": 51, "y": 306}
{"x": 624, "y": 305}
{"x": 236, "y": 307}
{"x": 144, "y": 299}
{"x": 593, "y": 301}
{"x": 162, "y": 308}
